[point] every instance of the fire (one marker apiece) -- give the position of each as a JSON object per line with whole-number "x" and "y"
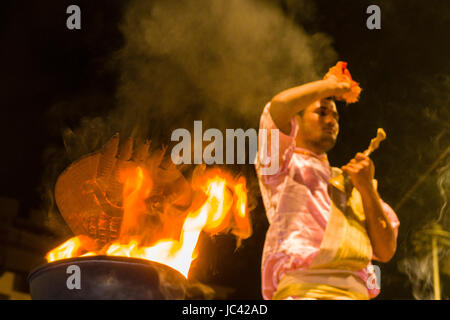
{"x": 224, "y": 208}
{"x": 71, "y": 248}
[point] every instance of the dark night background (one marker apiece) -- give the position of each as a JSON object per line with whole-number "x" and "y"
{"x": 52, "y": 77}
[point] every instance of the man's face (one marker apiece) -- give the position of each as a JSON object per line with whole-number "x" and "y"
{"x": 318, "y": 126}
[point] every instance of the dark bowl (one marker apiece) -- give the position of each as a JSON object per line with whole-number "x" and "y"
{"x": 106, "y": 278}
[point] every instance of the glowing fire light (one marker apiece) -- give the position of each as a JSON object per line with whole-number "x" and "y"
{"x": 71, "y": 248}
{"x": 225, "y": 208}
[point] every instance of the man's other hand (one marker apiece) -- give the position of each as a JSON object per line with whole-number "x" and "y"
{"x": 361, "y": 170}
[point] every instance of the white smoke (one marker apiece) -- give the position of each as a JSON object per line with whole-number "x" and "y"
{"x": 231, "y": 56}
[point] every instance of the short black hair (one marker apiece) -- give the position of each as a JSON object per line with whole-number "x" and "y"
{"x": 302, "y": 112}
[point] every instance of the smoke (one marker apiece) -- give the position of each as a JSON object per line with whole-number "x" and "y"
{"x": 429, "y": 203}
{"x": 224, "y": 58}
{"x": 440, "y": 118}
{"x": 419, "y": 271}
{"x": 216, "y": 61}
{"x": 419, "y": 266}
{"x": 444, "y": 190}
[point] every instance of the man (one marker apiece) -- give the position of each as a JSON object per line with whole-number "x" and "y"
{"x": 321, "y": 241}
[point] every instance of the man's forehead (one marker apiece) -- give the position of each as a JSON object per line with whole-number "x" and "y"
{"x": 328, "y": 103}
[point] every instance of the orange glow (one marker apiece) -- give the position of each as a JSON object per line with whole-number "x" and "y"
{"x": 73, "y": 247}
{"x": 224, "y": 208}
{"x": 244, "y": 228}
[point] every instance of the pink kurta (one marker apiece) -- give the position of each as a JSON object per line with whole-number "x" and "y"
{"x": 297, "y": 205}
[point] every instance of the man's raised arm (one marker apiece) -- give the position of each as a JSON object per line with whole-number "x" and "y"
{"x": 291, "y": 101}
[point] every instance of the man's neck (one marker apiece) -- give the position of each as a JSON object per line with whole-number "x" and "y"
{"x": 312, "y": 149}
{"x": 308, "y": 152}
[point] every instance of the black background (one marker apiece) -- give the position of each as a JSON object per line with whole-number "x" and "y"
{"x": 403, "y": 68}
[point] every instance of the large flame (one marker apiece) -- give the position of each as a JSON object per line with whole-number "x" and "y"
{"x": 224, "y": 209}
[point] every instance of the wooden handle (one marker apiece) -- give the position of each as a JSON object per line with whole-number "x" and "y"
{"x": 339, "y": 181}
{"x": 375, "y": 142}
